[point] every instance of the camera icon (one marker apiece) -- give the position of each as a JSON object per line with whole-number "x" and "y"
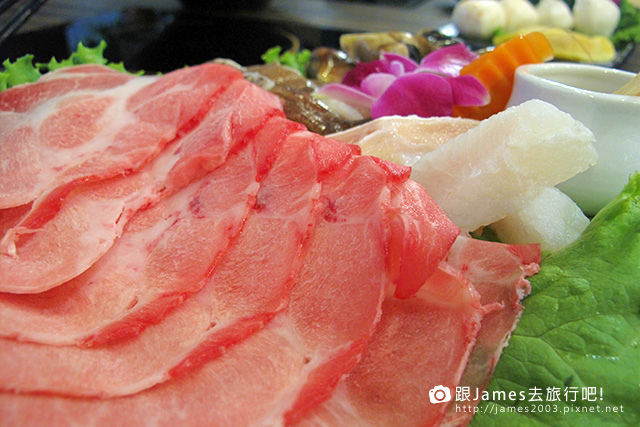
{"x": 439, "y": 394}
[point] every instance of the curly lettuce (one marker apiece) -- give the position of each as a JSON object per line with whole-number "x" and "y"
{"x": 628, "y": 30}
{"x": 297, "y": 60}
{"x": 23, "y": 69}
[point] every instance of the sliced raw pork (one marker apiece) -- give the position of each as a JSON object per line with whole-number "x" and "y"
{"x": 498, "y": 273}
{"x": 422, "y": 342}
{"x": 201, "y": 398}
{"x": 91, "y": 216}
{"x": 229, "y": 391}
{"x": 459, "y": 321}
{"x": 25, "y": 98}
{"x": 415, "y": 219}
{"x": 164, "y": 254}
{"x": 94, "y": 124}
{"x": 334, "y": 306}
{"x": 251, "y": 283}
{"x": 274, "y": 373}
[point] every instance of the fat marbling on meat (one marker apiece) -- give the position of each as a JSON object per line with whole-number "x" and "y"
{"x": 338, "y": 269}
{"x": 91, "y": 215}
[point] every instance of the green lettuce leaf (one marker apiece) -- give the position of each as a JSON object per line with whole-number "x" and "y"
{"x": 628, "y": 30}
{"x": 23, "y": 70}
{"x": 297, "y": 60}
{"x": 579, "y": 332}
{"x": 18, "y": 72}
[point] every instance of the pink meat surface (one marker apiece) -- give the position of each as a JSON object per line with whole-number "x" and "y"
{"x": 251, "y": 378}
{"x": 295, "y": 318}
{"x": 77, "y": 126}
{"x": 334, "y": 306}
{"x": 498, "y": 273}
{"x": 164, "y": 254}
{"x": 425, "y": 235}
{"x": 25, "y": 98}
{"x": 213, "y": 394}
{"x": 251, "y": 283}
{"x": 422, "y": 342}
{"x": 91, "y": 216}
{"x": 282, "y": 370}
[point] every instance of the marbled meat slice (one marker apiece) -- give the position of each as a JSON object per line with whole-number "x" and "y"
{"x": 334, "y": 307}
{"x": 91, "y": 216}
{"x": 422, "y": 342}
{"x": 88, "y": 77}
{"x": 262, "y": 377}
{"x": 251, "y": 283}
{"x": 424, "y": 234}
{"x": 164, "y": 254}
{"x": 204, "y": 397}
{"x": 498, "y": 273}
{"x": 279, "y": 371}
{"x": 95, "y": 132}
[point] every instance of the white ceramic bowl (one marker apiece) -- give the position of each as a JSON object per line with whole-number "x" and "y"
{"x": 585, "y": 92}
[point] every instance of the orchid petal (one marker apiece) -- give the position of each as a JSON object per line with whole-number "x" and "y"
{"x": 448, "y": 59}
{"x": 409, "y": 64}
{"x": 422, "y": 94}
{"x": 376, "y": 84}
{"x": 347, "y": 94}
{"x": 396, "y": 68}
{"x": 467, "y": 91}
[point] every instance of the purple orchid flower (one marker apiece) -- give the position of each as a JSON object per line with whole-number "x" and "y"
{"x": 396, "y": 85}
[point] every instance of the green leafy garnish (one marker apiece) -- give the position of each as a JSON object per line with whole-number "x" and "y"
{"x": 297, "y": 60}
{"x": 23, "y": 70}
{"x": 580, "y": 330}
{"x": 628, "y": 30}
{"x": 18, "y": 72}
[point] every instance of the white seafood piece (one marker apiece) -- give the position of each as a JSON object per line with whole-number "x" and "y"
{"x": 596, "y": 17}
{"x": 551, "y": 219}
{"x": 491, "y": 171}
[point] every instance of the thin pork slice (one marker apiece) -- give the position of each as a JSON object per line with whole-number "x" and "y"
{"x": 422, "y": 344}
{"x": 164, "y": 254}
{"x": 250, "y": 284}
{"x": 25, "y": 98}
{"x": 282, "y": 369}
{"x": 204, "y": 397}
{"x": 334, "y": 307}
{"x": 94, "y": 132}
{"x": 237, "y": 388}
{"x": 92, "y": 215}
{"x": 336, "y": 302}
{"x": 498, "y": 273}
{"x": 425, "y": 234}
{"x": 277, "y": 373}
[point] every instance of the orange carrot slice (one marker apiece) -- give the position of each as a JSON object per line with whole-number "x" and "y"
{"x": 496, "y": 69}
